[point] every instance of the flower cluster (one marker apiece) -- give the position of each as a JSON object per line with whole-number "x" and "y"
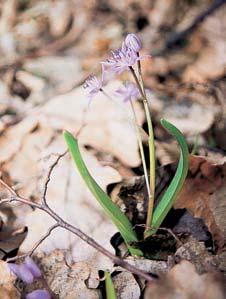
{"x": 120, "y": 60}
{"x": 27, "y": 272}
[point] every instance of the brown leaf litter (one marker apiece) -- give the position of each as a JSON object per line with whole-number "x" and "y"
{"x": 204, "y": 195}
{"x": 185, "y": 283}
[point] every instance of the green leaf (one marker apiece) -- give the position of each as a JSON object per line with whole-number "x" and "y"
{"x": 113, "y": 211}
{"x": 109, "y": 286}
{"x": 176, "y": 184}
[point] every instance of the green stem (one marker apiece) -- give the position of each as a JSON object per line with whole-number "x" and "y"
{"x": 150, "y": 142}
{"x": 196, "y": 145}
{"x": 139, "y": 139}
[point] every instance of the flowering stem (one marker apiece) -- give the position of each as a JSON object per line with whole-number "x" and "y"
{"x": 150, "y": 142}
{"x": 141, "y": 149}
{"x": 140, "y": 75}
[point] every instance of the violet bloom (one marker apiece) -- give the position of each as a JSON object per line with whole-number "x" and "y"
{"x": 133, "y": 42}
{"x": 120, "y": 60}
{"x": 27, "y": 271}
{"x": 92, "y": 86}
{"x": 22, "y": 272}
{"x": 38, "y": 294}
{"x": 128, "y": 92}
{"x": 34, "y": 269}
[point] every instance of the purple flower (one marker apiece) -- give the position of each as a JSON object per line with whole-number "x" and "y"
{"x": 22, "y": 272}
{"x": 133, "y": 42}
{"x": 26, "y": 271}
{"x": 92, "y": 86}
{"x": 34, "y": 269}
{"x": 120, "y": 60}
{"x": 128, "y": 92}
{"x": 38, "y": 294}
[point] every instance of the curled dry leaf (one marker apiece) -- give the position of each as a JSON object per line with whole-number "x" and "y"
{"x": 204, "y": 193}
{"x": 10, "y": 241}
{"x": 183, "y": 282}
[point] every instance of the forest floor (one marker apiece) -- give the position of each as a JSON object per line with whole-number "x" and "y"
{"x": 47, "y": 50}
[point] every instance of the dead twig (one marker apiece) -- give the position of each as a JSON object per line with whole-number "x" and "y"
{"x": 37, "y": 244}
{"x": 49, "y": 175}
{"x": 62, "y": 223}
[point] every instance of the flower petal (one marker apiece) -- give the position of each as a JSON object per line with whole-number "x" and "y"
{"x": 38, "y": 294}
{"x": 22, "y": 272}
{"x": 34, "y": 269}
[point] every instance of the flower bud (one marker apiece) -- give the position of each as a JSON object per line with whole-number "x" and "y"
{"x": 133, "y": 42}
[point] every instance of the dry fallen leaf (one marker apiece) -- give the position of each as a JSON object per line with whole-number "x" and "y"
{"x": 12, "y": 139}
{"x": 204, "y": 193}
{"x": 183, "y": 282}
{"x": 190, "y": 117}
{"x": 10, "y": 241}
{"x": 62, "y": 72}
{"x": 211, "y": 59}
{"x": 196, "y": 253}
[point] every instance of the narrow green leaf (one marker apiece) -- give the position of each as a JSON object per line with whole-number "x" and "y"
{"x": 176, "y": 184}
{"x": 113, "y": 211}
{"x": 109, "y": 286}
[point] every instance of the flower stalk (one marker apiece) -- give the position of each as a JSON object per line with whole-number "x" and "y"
{"x": 151, "y": 143}
{"x": 141, "y": 148}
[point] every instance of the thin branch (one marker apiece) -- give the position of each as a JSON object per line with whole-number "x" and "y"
{"x": 62, "y": 223}
{"x": 10, "y": 189}
{"x": 37, "y": 244}
{"x": 49, "y": 176}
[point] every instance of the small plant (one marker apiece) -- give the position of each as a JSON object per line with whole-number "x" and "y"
{"x": 128, "y": 58}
